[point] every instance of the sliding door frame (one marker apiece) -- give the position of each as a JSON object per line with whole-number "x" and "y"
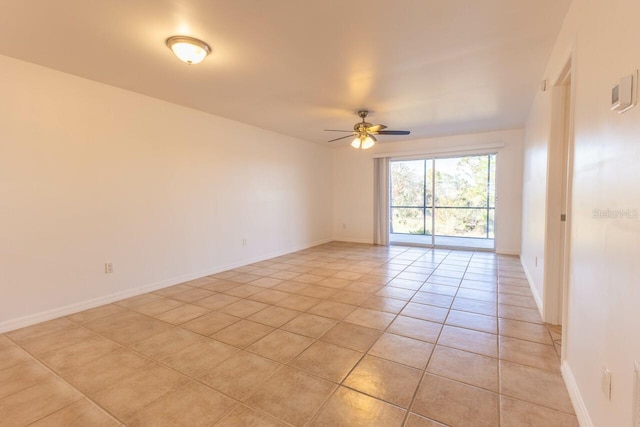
{"x": 488, "y": 207}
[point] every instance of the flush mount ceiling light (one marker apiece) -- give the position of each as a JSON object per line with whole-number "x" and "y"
{"x": 188, "y": 49}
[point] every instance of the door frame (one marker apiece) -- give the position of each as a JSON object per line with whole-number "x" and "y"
{"x": 449, "y": 155}
{"x": 558, "y": 202}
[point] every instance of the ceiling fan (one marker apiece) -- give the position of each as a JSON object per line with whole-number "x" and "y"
{"x": 364, "y": 132}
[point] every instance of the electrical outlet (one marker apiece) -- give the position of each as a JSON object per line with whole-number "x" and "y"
{"x": 606, "y": 382}
{"x": 344, "y": 226}
{"x": 536, "y": 261}
{"x": 244, "y": 242}
{"x": 108, "y": 267}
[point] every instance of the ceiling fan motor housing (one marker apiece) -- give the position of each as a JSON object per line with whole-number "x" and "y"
{"x": 362, "y": 126}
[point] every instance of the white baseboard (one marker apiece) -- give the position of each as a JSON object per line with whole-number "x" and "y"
{"x": 504, "y": 251}
{"x": 576, "y": 398}
{"x": 350, "y": 240}
{"x": 43, "y": 316}
{"x": 534, "y": 291}
{"x": 21, "y": 322}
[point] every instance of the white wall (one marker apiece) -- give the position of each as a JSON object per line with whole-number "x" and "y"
{"x": 91, "y": 173}
{"x": 353, "y": 183}
{"x": 534, "y": 193}
{"x": 604, "y": 291}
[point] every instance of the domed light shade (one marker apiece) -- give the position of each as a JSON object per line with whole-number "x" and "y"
{"x": 368, "y": 142}
{"x": 363, "y": 142}
{"x": 188, "y": 49}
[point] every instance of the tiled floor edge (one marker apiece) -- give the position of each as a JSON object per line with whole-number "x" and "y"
{"x": 351, "y": 240}
{"x": 357, "y": 259}
{"x": 43, "y": 316}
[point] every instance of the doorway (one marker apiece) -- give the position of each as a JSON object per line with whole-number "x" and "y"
{"x": 559, "y": 177}
{"x": 444, "y": 201}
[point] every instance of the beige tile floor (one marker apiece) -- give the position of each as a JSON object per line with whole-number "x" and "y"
{"x": 336, "y": 335}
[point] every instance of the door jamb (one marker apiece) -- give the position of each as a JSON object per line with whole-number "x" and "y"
{"x": 557, "y": 273}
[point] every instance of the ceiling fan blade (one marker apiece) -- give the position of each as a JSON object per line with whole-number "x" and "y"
{"x": 394, "y": 132}
{"x": 342, "y": 137}
{"x": 336, "y": 130}
{"x": 376, "y": 128}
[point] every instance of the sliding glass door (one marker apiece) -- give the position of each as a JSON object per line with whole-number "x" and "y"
{"x": 444, "y": 201}
{"x": 411, "y": 197}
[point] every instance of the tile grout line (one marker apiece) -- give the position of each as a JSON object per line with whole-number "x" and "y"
{"x": 53, "y": 372}
{"x": 340, "y": 384}
{"x": 318, "y": 339}
{"x": 424, "y": 372}
{"x": 166, "y": 366}
{"x": 315, "y": 339}
{"x": 241, "y": 402}
{"x": 365, "y": 353}
{"x": 399, "y": 313}
{"x": 396, "y": 315}
{"x": 72, "y": 403}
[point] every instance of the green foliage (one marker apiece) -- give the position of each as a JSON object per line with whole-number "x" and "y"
{"x": 460, "y": 182}
{"x": 409, "y": 221}
{"x": 407, "y": 183}
{"x": 408, "y": 189}
{"x": 461, "y": 222}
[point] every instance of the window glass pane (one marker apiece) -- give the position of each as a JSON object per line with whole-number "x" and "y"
{"x": 492, "y": 223}
{"x": 407, "y": 183}
{"x": 464, "y": 190}
{"x": 461, "y": 181}
{"x": 429, "y": 184}
{"x": 461, "y": 222}
{"x": 407, "y": 221}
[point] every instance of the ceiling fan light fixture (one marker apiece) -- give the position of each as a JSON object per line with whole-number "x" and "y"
{"x": 364, "y": 133}
{"x": 188, "y": 49}
{"x": 363, "y": 142}
{"x": 368, "y": 142}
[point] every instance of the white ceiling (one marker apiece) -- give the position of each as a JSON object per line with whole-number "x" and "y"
{"x": 434, "y": 67}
